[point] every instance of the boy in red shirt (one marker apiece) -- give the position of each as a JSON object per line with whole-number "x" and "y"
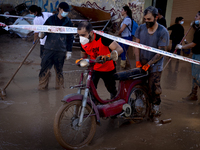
{"x": 95, "y": 45}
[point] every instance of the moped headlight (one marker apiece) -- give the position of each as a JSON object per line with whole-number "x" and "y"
{"x": 84, "y": 63}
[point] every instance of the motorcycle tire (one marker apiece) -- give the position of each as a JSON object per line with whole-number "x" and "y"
{"x": 67, "y": 132}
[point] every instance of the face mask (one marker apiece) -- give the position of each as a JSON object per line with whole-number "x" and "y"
{"x": 64, "y": 14}
{"x": 150, "y": 24}
{"x": 197, "y": 22}
{"x": 84, "y": 40}
{"x": 181, "y": 22}
{"x": 32, "y": 15}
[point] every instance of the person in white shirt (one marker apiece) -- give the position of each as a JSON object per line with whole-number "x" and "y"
{"x": 40, "y": 18}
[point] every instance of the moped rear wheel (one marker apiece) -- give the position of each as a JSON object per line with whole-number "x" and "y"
{"x": 67, "y": 132}
{"x": 139, "y": 102}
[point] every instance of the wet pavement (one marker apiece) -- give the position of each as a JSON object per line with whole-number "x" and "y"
{"x": 26, "y": 114}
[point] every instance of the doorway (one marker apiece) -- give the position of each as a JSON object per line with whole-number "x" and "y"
{"x": 162, "y": 4}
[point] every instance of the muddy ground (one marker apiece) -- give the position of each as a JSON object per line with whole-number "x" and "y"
{"x": 26, "y": 115}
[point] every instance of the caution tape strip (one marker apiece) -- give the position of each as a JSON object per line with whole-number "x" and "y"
{"x": 44, "y": 28}
{"x": 151, "y": 49}
{"x": 13, "y": 16}
{"x": 72, "y": 30}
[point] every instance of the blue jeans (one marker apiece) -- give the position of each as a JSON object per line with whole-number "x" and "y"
{"x": 196, "y": 70}
{"x": 125, "y": 47}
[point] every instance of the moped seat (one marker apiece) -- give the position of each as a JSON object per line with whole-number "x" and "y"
{"x": 130, "y": 74}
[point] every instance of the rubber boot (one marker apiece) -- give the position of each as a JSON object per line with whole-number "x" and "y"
{"x": 192, "y": 96}
{"x": 156, "y": 110}
{"x": 156, "y": 113}
{"x": 44, "y": 81}
{"x": 59, "y": 82}
{"x": 123, "y": 64}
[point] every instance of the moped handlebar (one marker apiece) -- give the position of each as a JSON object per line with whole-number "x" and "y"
{"x": 91, "y": 62}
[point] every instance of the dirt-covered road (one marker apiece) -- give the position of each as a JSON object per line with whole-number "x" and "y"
{"x": 27, "y": 115}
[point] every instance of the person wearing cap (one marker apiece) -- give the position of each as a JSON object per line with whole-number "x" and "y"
{"x": 58, "y": 46}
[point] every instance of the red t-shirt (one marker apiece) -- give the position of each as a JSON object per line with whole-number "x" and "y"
{"x": 99, "y": 46}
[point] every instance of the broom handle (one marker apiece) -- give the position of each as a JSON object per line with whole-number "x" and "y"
{"x": 22, "y": 63}
{"x": 176, "y": 49}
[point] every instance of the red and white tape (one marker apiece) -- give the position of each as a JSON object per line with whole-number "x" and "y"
{"x": 151, "y": 49}
{"x": 72, "y": 30}
{"x": 44, "y": 28}
{"x": 13, "y": 16}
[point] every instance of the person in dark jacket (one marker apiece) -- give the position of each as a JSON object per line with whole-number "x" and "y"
{"x": 161, "y": 19}
{"x": 57, "y": 48}
{"x": 195, "y": 45}
{"x": 177, "y": 33}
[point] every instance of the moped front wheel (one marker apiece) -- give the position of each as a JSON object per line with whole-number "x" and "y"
{"x": 67, "y": 132}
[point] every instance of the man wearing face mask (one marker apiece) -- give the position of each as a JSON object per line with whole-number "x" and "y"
{"x": 57, "y": 47}
{"x": 177, "y": 33}
{"x": 155, "y": 35}
{"x": 195, "y": 45}
{"x": 97, "y": 46}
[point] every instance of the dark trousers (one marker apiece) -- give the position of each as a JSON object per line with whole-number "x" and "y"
{"x": 174, "y": 43}
{"x": 50, "y": 58}
{"x": 155, "y": 88}
{"x": 108, "y": 79}
{"x": 41, "y": 50}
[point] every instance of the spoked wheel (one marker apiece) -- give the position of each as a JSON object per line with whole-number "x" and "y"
{"x": 68, "y": 134}
{"x": 139, "y": 102}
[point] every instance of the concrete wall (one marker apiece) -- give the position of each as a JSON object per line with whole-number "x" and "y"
{"x": 112, "y": 6}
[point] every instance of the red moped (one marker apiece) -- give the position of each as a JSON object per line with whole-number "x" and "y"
{"x": 75, "y": 122}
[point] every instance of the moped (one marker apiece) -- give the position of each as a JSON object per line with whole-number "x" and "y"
{"x": 75, "y": 121}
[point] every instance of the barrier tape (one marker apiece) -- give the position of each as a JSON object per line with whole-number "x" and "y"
{"x": 151, "y": 49}
{"x": 43, "y": 28}
{"x": 13, "y": 16}
{"x": 61, "y": 29}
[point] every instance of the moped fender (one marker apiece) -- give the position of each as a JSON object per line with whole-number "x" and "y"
{"x": 75, "y": 96}
{"x": 133, "y": 84}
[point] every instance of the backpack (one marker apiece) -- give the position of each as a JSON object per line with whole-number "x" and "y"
{"x": 134, "y": 27}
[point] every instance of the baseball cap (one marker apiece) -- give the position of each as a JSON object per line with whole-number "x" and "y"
{"x": 64, "y": 6}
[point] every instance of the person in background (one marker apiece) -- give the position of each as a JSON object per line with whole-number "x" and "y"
{"x": 58, "y": 46}
{"x": 161, "y": 20}
{"x": 40, "y": 18}
{"x": 154, "y": 35}
{"x": 125, "y": 32}
{"x": 177, "y": 33}
{"x": 195, "y": 45}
